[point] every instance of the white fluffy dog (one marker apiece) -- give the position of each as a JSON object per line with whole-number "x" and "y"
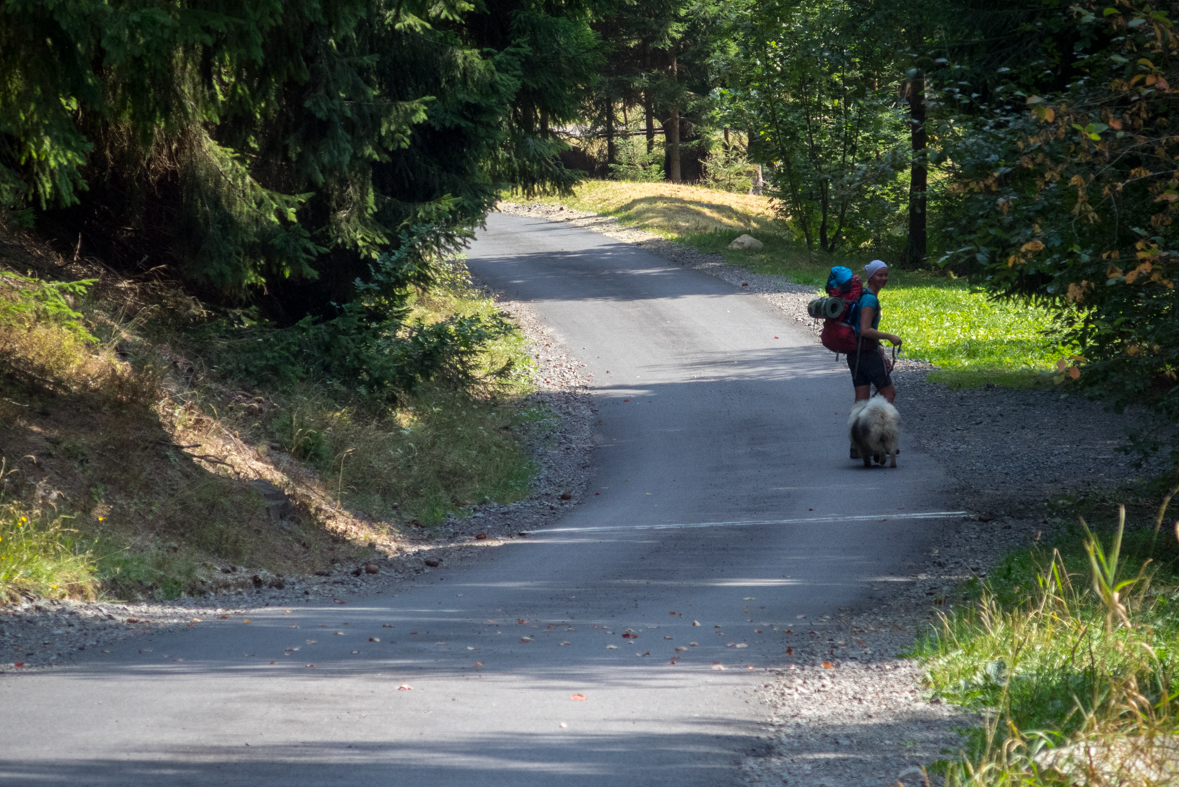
{"x": 875, "y": 429}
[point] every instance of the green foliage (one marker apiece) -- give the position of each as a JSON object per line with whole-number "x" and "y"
{"x": 635, "y": 164}
{"x": 811, "y": 91}
{"x": 273, "y": 151}
{"x": 1068, "y": 196}
{"x": 25, "y": 301}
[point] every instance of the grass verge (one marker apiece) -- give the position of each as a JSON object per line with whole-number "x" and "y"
{"x": 971, "y": 339}
{"x": 1073, "y": 653}
{"x": 139, "y": 461}
{"x": 40, "y": 555}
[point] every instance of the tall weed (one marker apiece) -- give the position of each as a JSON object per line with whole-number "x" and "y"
{"x": 1078, "y": 679}
{"x": 40, "y": 556}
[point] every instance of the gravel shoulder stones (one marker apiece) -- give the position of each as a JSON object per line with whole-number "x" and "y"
{"x": 41, "y": 634}
{"x": 845, "y": 707}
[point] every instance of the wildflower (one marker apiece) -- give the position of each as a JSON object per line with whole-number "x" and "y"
{"x": 100, "y": 519}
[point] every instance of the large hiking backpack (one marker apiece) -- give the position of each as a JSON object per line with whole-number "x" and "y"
{"x": 841, "y": 331}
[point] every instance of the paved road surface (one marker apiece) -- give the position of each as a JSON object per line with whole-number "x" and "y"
{"x": 713, "y": 409}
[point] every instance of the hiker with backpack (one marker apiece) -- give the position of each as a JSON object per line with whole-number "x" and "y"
{"x": 851, "y": 320}
{"x": 868, "y": 364}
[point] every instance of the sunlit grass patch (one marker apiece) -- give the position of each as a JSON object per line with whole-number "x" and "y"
{"x": 671, "y": 209}
{"x": 41, "y": 556}
{"x": 965, "y": 332}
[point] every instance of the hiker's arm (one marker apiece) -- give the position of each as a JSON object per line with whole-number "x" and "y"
{"x": 867, "y": 313}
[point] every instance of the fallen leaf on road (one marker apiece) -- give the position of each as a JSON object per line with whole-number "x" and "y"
{"x": 789, "y": 651}
{"x": 245, "y": 620}
{"x": 757, "y": 631}
{"x": 310, "y": 665}
{"x": 405, "y": 687}
{"x": 716, "y": 665}
{"x": 223, "y": 617}
{"x": 480, "y": 536}
{"x": 311, "y": 641}
{"x": 667, "y": 637}
{"x": 565, "y": 643}
{"x": 695, "y": 623}
{"x": 629, "y": 635}
{"x": 478, "y": 663}
{"x": 611, "y": 647}
{"x": 828, "y": 665}
{"x": 386, "y": 626}
{"x": 640, "y": 655}
{"x": 470, "y": 647}
{"x": 691, "y": 644}
{"x": 21, "y": 663}
{"x": 680, "y": 650}
{"x": 562, "y": 725}
{"x": 374, "y": 639}
{"x": 525, "y": 639}
{"x": 577, "y": 697}
{"x": 520, "y": 622}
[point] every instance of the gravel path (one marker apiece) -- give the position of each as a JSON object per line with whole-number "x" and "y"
{"x": 845, "y": 709}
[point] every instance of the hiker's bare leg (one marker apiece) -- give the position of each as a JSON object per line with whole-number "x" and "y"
{"x": 889, "y": 392}
{"x": 864, "y": 392}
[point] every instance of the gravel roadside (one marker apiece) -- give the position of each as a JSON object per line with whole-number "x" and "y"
{"x": 845, "y": 708}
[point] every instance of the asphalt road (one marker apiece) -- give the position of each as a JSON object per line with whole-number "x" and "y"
{"x": 721, "y": 433}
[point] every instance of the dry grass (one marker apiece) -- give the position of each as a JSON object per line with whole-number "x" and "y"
{"x": 140, "y": 472}
{"x": 672, "y": 210}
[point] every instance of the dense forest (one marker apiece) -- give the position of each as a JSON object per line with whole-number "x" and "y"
{"x": 312, "y": 160}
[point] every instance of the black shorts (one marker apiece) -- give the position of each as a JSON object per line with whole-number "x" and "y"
{"x": 871, "y": 370}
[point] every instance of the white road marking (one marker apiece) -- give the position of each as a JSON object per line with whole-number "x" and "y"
{"x": 756, "y": 522}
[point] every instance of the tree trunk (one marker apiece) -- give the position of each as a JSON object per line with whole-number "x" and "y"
{"x": 611, "y": 147}
{"x": 649, "y": 109}
{"x": 671, "y": 134}
{"x": 918, "y": 174}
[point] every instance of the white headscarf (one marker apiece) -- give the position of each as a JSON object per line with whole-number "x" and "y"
{"x": 874, "y": 267}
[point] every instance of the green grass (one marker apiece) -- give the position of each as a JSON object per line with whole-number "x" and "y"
{"x": 1056, "y": 659}
{"x": 435, "y": 453}
{"x": 972, "y": 339}
{"x": 40, "y": 556}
